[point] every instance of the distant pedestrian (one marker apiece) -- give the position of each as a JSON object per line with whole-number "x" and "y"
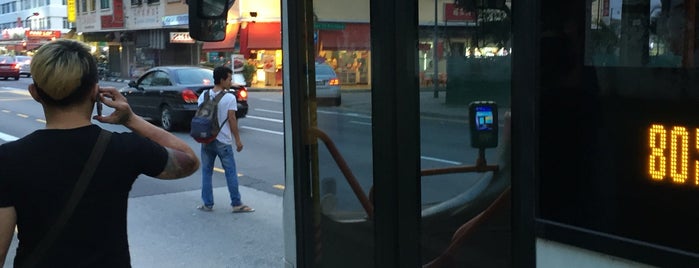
{"x": 40, "y": 171}
{"x": 222, "y": 145}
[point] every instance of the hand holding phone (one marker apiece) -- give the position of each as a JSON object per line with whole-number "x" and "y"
{"x": 98, "y": 104}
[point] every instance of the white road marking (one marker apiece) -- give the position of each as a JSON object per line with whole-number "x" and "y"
{"x": 271, "y": 100}
{"x": 269, "y": 111}
{"x": 7, "y": 137}
{"x": 263, "y": 130}
{"x": 361, "y": 123}
{"x": 345, "y": 114}
{"x": 440, "y": 160}
{"x": 15, "y": 99}
{"x": 265, "y": 119}
{"x": 15, "y": 90}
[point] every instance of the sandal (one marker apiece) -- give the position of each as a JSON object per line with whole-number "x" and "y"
{"x": 205, "y": 208}
{"x": 242, "y": 208}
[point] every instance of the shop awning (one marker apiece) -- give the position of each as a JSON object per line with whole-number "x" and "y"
{"x": 354, "y": 36}
{"x": 264, "y": 35}
{"x": 228, "y": 44}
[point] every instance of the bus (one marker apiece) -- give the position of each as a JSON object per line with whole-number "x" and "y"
{"x": 486, "y": 133}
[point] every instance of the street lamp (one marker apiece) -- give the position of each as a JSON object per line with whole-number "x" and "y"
{"x": 26, "y": 21}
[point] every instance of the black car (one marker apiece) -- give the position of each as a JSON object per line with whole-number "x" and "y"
{"x": 168, "y": 94}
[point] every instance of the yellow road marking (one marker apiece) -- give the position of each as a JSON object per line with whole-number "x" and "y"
{"x": 41, "y": 121}
{"x": 220, "y": 170}
{"x": 279, "y": 186}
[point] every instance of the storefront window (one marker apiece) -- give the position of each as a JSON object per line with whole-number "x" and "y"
{"x": 352, "y": 66}
{"x": 145, "y": 59}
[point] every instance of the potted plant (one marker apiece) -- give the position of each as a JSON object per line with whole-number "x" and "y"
{"x": 249, "y": 71}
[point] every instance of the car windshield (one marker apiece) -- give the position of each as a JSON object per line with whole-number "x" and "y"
{"x": 324, "y": 70}
{"x": 24, "y": 59}
{"x": 195, "y": 76}
{"x": 6, "y": 59}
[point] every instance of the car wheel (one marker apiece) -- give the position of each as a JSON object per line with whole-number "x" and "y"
{"x": 166, "y": 118}
{"x": 17, "y": 77}
{"x": 337, "y": 101}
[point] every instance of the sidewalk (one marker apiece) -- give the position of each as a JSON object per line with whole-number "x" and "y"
{"x": 168, "y": 231}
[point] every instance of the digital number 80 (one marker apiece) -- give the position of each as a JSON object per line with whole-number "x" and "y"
{"x": 679, "y": 154}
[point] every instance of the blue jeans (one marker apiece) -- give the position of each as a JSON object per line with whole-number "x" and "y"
{"x": 208, "y": 156}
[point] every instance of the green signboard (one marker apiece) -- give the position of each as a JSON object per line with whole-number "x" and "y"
{"x": 329, "y": 26}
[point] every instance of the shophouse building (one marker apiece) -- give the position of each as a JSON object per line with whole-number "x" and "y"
{"x": 26, "y": 24}
{"x": 138, "y": 34}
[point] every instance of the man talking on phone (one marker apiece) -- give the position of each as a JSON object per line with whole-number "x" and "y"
{"x": 41, "y": 172}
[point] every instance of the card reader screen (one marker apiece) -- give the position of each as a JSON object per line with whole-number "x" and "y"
{"x": 484, "y": 118}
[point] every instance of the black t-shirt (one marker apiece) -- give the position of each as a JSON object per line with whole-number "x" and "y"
{"x": 38, "y": 174}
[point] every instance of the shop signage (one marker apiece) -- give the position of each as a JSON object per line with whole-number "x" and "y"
{"x": 238, "y": 62}
{"x": 70, "y": 4}
{"x": 115, "y": 20}
{"x": 455, "y": 13}
{"x": 181, "y": 38}
{"x": 329, "y": 26}
{"x": 605, "y": 7}
{"x": 176, "y": 20}
{"x": 42, "y": 34}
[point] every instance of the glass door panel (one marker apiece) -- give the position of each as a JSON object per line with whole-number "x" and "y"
{"x": 464, "y": 75}
{"x": 341, "y": 124}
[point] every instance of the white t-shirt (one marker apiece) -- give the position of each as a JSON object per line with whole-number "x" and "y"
{"x": 227, "y": 103}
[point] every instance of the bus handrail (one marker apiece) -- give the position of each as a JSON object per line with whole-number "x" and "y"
{"x": 346, "y": 171}
{"x": 446, "y": 259}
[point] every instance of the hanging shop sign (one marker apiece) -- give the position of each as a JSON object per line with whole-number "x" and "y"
{"x": 454, "y": 13}
{"x": 42, "y": 34}
{"x": 181, "y": 38}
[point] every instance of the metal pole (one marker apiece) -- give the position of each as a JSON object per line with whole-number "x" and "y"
{"x": 435, "y": 60}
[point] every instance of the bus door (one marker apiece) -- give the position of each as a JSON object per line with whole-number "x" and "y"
{"x": 409, "y": 165}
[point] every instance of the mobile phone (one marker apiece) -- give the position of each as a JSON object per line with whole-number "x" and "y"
{"x": 98, "y": 105}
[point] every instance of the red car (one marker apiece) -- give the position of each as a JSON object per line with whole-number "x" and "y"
{"x": 9, "y": 67}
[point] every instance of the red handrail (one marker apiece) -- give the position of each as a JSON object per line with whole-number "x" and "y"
{"x": 349, "y": 176}
{"x": 446, "y": 259}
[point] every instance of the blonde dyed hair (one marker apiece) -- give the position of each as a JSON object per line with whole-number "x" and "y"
{"x": 62, "y": 67}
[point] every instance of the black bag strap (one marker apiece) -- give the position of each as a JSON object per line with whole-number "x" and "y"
{"x": 78, "y": 191}
{"x": 217, "y": 99}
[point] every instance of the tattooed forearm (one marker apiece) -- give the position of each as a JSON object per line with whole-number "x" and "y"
{"x": 178, "y": 165}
